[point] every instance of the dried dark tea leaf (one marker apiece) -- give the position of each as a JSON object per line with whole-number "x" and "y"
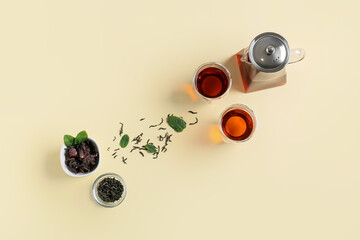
{"x": 124, "y": 141}
{"x": 176, "y": 123}
{"x": 196, "y": 121}
{"x": 156, "y": 125}
{"x": 138, "y": 138}
{"x": 192, "y": 112}
{"x": 121, "y": 130}
{"x": 110, "y": 189}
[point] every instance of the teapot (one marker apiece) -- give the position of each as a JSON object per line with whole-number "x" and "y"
{"x": 262, "y": 64}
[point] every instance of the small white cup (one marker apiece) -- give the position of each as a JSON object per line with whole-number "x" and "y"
{"x": 66, "y": 169}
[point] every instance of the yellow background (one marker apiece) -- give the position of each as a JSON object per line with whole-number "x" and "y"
{"x": 67, "y": 66}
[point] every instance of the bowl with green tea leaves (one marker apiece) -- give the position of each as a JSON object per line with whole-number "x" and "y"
{"x": 80, "y": 156}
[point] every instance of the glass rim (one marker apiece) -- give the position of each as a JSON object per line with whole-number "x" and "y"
{"x": 219, "y": 66}
{"x": 244, "y": 108}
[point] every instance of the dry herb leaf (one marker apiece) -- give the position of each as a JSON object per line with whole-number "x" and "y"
{"x": 124, "y": 141}
{"x": 176, "y": 123}
{"x": 151, "y": 148}
{"x": 81, "y": 137}
{"x": 69, "y": 140}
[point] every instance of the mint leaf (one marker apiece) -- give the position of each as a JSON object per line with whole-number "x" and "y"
{"x": 176, "y": 123}
{"x": 68, "y": 140}
{"x": 124, "y": 141}
{"x": 151, "y": 148}
{"x": 81, "y": 137}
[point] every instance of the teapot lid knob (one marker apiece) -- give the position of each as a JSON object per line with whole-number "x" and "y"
{"x": 270, "y": 50}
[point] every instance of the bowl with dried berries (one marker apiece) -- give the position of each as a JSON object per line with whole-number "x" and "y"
{"x": 80, "y": 156}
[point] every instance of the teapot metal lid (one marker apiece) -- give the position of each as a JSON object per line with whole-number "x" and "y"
{"x": 269, "y": 52}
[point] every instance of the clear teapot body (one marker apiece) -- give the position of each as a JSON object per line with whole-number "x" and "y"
{"x": 254, "y": 79}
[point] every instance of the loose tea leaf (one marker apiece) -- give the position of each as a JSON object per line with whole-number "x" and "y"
{"x": 121, "y": 130}
{"x": 196, "y": 121}
{"x": 156, "y": 125}
{"x": 176, "y": 123}
{"x": 68, "y": 140}
{"x": 81, "y": 137}
{"x": 138, "y": 138}
{"x": 110, "y": 189}
{"x": 151, "y": 148}
{"x": 124, "y": 141}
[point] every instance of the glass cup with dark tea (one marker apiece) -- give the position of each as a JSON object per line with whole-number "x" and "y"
{"x": 237, "y": 123}
{"x": 212, "y": 81}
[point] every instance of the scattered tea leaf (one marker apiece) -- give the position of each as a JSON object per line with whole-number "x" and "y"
{"x": 192, "y": 112}
{"x": 68, "y": 140}
{"x": 121, "y": 129}
{"x": 176, "y": 123}
{"x": 156, "y": 125}
{"x": 151, "y": 148}
{"x": 196, "y": 121}
{"x": 81, "y": 137}
{"x": 124, "y": 141}
{"x": 138, "y": 138}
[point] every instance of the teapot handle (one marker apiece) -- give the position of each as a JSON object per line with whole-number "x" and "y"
{"x": 296, "y": 55}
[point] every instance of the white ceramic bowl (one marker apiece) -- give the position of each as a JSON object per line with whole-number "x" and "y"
{"x": 66, "y": 169}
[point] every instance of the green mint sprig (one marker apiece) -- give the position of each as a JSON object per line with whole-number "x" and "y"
{"x": 80, "y": 137}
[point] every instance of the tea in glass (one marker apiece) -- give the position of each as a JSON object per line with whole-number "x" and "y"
{"x": 237, "y": 123}
{"x": 212, "y": 81}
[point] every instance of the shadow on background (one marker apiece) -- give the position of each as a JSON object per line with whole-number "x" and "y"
{"x": 208, "y": 136}
{"x": 184, "y": 95}
{"x": 214, "y": 134}
{"x": 53, "y": 167}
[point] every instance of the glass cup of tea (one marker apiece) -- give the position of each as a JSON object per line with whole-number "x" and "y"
{"x": 212, "y": 81}
{"x": 237, "y": 123}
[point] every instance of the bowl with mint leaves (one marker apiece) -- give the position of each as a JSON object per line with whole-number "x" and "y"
{"x": 80, "y": 156}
